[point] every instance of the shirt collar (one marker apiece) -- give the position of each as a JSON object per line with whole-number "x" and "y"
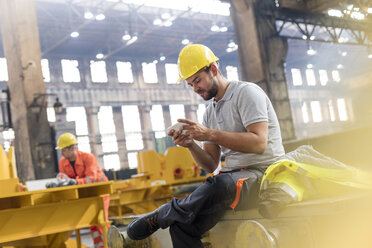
{"x": 228, "y": 93}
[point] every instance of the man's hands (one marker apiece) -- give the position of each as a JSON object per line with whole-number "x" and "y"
{"x": 61, "y": 183}
{"x": 193, "y": 131}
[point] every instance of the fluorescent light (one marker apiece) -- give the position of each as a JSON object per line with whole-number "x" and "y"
{"x": 100, "y": 17}
{"x": 223, "y": 29}
{"x": 132, "y": 40}
{"x": 231, "y": 44}
{"x": 357, "y": 15}
{"x": 157, "y": 21}
{"x": 88, "y": 15}
{"x": 74, "y": 34}
{"x": 126, "y": 36}
{"x": 99, "y": 56}
{"x": 215, "y": 28}
{"x": 168, "y": 23}
{"x": 185, "y": 41}
{"x": 335, "y": 12}
{"x": 162, "y": 58}
{"x": 311, "y": 51}
{"x": 165, "y": 16}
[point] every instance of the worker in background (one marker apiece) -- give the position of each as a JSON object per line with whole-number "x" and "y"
{"x": 82, "y": 168}
{"x": 240, "y": 122}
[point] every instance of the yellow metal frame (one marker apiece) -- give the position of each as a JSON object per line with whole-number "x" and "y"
{"x": 33, "y": 214}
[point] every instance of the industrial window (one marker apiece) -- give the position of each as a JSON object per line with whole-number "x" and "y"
{"x": 78, "y": 115}
{"x": 341, "y": 107}
{"x": 149, "y": 73}
{"x": 8, "y": 137}
{"x": 232, "y": 73}
{"x": 45, "y": 70}
{"x": 171, "y": 71}
{"x": 108, "y": 138}
{"x": 323, "y": 76}
{"x": 200, "y": 112}
{"x": 132, "y": 160}
{"x": 125, "y": 74}
{"x": 316, "y": 111}
{"x": 296, "y": 76}
{"x": 98, "y": 71}
{"x": 177, "y": 111}
{"x": 305, "y": 113}
{"x": 332, "y": 114}
{"x": 336, "y": 76}
{"x": 132, "y": 127}
{"x": 51, "y": 114}
{"x": 310, "y": 77}
{"x": 70, "y": 71}
{"x": 111, "y": 161}
{"x": 157, "y": 121}
{"x": 3, "y": 70}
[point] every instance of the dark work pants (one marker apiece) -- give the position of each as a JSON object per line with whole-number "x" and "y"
{"x": 194, "y": 215}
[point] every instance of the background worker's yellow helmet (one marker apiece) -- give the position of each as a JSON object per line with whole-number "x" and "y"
{"x": 193, "y": 58}
{"x": 66, "y": 140}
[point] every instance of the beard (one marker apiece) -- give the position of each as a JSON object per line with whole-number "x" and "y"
{"x": 212, "y": 92}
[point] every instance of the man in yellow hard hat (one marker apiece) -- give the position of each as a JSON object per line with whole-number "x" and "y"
{"x": 240, "y": 123}
{"x": 82, "y": 168}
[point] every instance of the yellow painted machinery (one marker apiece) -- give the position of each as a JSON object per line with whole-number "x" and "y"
{"x": 46, "y": 218}
{"x": 7, "y": 164}
{"x": 160, "y": 177}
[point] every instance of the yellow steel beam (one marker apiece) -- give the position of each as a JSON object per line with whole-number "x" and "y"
{"x": 33, "y": 214}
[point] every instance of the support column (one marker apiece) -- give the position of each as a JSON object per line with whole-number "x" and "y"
{"x": 94, "y": 133}
{"x": 146, "y": 126}
{"x": 191, "y": 112}
{"x": 33, "y": 143}
{"x": 120, "y": 136}
{"x": 262, "y": 53}
{"x": 166, "y": 116}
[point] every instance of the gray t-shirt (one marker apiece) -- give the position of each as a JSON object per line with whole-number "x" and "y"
{"x": 244, "y": 104}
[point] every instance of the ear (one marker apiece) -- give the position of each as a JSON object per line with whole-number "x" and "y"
{"x": 214, "y": 69}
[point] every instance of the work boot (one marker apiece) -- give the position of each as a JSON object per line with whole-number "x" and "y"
{"x": 144, "y": 226}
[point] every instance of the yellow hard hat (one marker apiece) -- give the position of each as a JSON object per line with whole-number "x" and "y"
{"x": 66, "y": 140}
{"x": 193, "y": 58}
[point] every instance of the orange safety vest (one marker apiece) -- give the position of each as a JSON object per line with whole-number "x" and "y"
{"x": 86, "y": 168}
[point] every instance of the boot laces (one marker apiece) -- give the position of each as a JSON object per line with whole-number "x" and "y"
{"x": 152, "y": 221}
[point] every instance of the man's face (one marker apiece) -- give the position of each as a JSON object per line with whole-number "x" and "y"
{"x": 68, "y": 152}
{"x": 204, "y": 84}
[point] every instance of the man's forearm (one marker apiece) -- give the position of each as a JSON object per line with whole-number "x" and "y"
{"x": 203, "y": 158}
{"x": 242, "y": 142}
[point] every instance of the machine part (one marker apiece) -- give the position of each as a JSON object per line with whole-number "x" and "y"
{"x": 178, "y": 172}
{"x": 33, "y": 214}
{"x": 114, "y": 238}
{"x": 254, "y": 234}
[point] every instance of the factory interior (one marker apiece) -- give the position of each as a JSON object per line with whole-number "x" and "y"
{"x": 107, "y": 71}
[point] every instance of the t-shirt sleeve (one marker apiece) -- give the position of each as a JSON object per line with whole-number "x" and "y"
{"x": 252, "y": 105}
